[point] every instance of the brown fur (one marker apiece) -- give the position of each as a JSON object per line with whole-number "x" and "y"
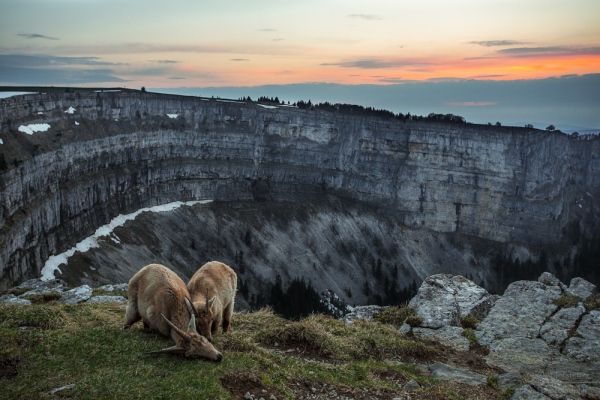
{"x": 213, "y": 280}
{"x": 156, "y": 291}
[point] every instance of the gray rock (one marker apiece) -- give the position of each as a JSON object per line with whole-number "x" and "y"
{"x": 556, "y": 329}
{"x": 412, "y": 385}
{"x": 405, "y": 328}
{"x": 444, "y": 299}
{"x": 548, "y": 279}
{"x": 107, "y": 299}
{"x": 519, "y": 312}
{"x": 447, "y": 335}
{"x": 40, "y": 287}
{"x": 510, "y": 380}
{"x": 446, "y": 372}
{"x": 11, "y": 299}
{"x": 581, "y": 288}
{"x": 528, "y": 393}
{"x": 553, "y": 388}
{"x": 114, "y": 288}
{"x": 586, "y": 348}
{"x": 519, "y": 354}
{"x": 77, "y": 295}
{"x": 59, "y": 389}
{"x": 363, "y": 312}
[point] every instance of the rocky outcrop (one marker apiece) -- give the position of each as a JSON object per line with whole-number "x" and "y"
{"x": 114, "y": 153}
{"x": 37, "y": 288}
{"x": 532, "y": 330}
{"x": 444, "y": 299}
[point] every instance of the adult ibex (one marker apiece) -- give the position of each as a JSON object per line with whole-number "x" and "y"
{"x": 160, "y": 298}
{"x": 213, "y": 289}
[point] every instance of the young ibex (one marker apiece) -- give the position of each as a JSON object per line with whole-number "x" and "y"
{"x": 213, "y": 289}
{"x": 160, "y": 298}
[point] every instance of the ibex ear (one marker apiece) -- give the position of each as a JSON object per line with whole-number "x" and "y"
{"x": 210, "y": 302}
{"x": 168, "y": 350}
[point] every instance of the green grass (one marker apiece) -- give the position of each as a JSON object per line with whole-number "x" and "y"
{"x": 50, "y": 345}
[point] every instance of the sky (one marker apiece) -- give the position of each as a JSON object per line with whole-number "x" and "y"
{"x": 241, "y": 43}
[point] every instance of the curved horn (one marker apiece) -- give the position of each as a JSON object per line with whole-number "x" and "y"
{"x": 168, "y": 350}
{"x": 190, "y": 306}
{"x": 176, "y": 329}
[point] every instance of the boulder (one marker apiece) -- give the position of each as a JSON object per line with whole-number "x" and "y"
{"x": 447, "y": 335}
{"x": 519, "y": 354}
{"x": 362, "y": 312}
{"x": 556, "y": 330}
{"x": 585, "y": 347}
{"x": 553, "y": 388}
{"x": 510, "y": 380}
{"x": 11, "y": 299}
{"x": 107, "y": 299}
{"x": 519, "y": 313}
{"x": 77, "y": 295}
{"x": 444, "y": 299}
{"x": 581, "y": 288}
{"x": 40, "y": 287}
{"x": 446, "y": 372}
{"x": 528, "y": 393}
{"x": 114, "y": 288}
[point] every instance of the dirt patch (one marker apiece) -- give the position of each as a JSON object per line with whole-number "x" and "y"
{"x": 239, "y": 384}
{"x": 9, "y": 367}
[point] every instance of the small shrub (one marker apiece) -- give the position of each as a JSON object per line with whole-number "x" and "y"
{"x": 592, "y": 302}
{"x": 469, "y": 333}
{"x": 414, "y": 321}
{"x": 43, "y": 297}
{"x": 567, "y": 300}
{"x": 492, "y": 381}
{"x": 469, "y": 322}
{"x": 394, "y": 316}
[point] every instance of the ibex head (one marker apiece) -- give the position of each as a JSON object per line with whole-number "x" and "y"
{"x": 192, "y": 344}
{"x": 205, "y": 316}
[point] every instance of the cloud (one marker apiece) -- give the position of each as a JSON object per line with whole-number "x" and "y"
{"x": 369, "y": 63}
{"x": 176, "y": 77}
{"x": 267, "y": 30}
{"x": 550, "y": 51}
{"x": 36, "y": 36}
{"x": 34, "y": 61}
{"x": 49, "y": 70}
{"x": 277, "y": 40}
{"x": 164, "y": 61}
{"x": 368, "y": 17}
{"x": 494, "y": 43}
{"x": 446, "y": 79}
{"x": 239, "y": 59}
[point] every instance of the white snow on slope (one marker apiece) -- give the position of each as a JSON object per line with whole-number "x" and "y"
{"x": 30, "y": 129}
{"x": 1, "y": 142}
{"x": 71, "y": 110}
{"x": 264, "y": 106}
{"x": 172, "y": 115}
{"x": 52, "y": 264}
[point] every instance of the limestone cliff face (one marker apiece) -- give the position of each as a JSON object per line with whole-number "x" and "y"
{"x": 115, "y": 152}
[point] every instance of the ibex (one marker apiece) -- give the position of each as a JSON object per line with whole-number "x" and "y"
{"x": 213, "y": 289}
{"x": 159, "y": 297}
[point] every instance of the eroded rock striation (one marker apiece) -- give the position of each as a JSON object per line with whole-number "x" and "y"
{"x": 107, "y": 153}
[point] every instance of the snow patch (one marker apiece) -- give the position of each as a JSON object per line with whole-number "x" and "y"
{"x": 76, "y": 123}
{"x": 30, "y": 129}
{"x": 231, "y": 101}
{"x": 264, "y": 106}
{"x": 4, "y": 95}
{"x": 71, "y": 110}
{"x": 40, "y": 113}
{"x": 53, "y": 262}
{"x": 172, "y": 115}
{"x": 1, "y": 142}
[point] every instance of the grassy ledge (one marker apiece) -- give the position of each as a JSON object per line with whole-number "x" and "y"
{"x": 84, "y": 349}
